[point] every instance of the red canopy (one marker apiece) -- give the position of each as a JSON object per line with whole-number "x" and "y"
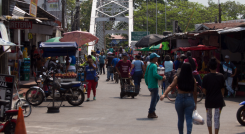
{"x": 194, "y": 48}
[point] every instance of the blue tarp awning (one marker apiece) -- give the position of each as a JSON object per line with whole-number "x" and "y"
{"x": 58, "y": 48}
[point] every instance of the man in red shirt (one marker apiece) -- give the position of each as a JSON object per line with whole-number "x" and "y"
{"x": 124, "y": 66}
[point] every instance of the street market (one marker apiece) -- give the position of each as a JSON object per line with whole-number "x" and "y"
{"x": 72, "y": 66}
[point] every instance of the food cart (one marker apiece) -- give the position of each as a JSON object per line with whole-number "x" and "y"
{"x": 51, "y": 49}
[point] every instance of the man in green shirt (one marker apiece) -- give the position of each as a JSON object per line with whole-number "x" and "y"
{"x": 111, "y": 49}
{"x": 151, "y": 80}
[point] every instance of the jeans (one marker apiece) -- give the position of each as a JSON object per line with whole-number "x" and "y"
{"x": 228, "y": 83}
{"x": 109, "y": 74}
{"x": 198, "y": 79}
{"x": 102, "y": 67}
{"x": 184, "y": 106}
{"x": 167, "y": 74}
{"x": 137, "y": 78}
{"x": 154, "y": 99}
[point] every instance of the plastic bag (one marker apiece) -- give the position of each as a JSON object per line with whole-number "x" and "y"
{"x": 197, "y": 119}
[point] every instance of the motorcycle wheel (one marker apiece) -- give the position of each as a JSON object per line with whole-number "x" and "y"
{"x": 10, "y": 128}
{"x": 35, "y": 101}
{"x": 240, "y": 115}
{"x": 74, "y": 100}
{"x": 25, "y": 106}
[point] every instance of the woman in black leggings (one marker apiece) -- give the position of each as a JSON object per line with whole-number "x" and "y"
{"x": 214, "y": 88}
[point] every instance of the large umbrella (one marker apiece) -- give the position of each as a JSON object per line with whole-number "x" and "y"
{"x": 80, "y": 37}
{"x": 195, "y": 48}
{"x": 143, "y": 49}
{"x": 150, "y": 40}
{"x": 55, "y": 39}
{"x": 157, "y": 47}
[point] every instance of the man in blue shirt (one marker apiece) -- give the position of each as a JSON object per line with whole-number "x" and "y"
{"x": 102, "y": 63}
{"x": 176, "y": 62}
{"x": 228, "y": 68}
{"x": 98, "y": 51}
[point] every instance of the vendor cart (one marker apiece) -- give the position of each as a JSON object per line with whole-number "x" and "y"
{"x": 127, "y": 88}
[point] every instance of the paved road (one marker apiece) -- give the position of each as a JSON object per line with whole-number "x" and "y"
{"x": 111, "y": 115}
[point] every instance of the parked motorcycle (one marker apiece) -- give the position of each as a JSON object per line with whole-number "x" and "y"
{"x": 241, "y": 114}
{"x": 71, "y": 91}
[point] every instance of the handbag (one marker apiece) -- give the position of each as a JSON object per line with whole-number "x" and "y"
{"x": 132, "y": 72}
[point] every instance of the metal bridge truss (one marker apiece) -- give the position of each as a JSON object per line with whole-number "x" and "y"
{"x": 111, "y": 17}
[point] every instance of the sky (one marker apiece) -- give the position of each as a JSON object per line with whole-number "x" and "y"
{"x": 205, "y": 2}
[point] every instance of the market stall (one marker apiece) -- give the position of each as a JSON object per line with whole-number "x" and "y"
{"x": 202, "y": 71}
{"x": 57, "y": 49}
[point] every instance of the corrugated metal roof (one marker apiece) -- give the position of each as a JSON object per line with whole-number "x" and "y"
{"x": 237, "y": 29}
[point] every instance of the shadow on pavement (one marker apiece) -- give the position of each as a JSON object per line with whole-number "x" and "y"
{"x": 123, "y": 98}
{"x": 144, "y": 95}
{"x": 237, "y": 99}
{"x": 145, "y": 119}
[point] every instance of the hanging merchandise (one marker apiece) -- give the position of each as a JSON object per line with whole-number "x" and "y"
{"x": 165, "y": 46}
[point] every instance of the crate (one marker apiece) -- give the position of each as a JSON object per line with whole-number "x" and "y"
{"x": 25, "y": 67}
{"x": 24, "y": 77}
{"x": 27, "y": 59}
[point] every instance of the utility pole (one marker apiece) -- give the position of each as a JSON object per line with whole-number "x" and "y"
{"x": 156, "y": 16}
{"x": 219, "y": 12}
{"x": 63, "y": 14}
{"x": 165, "y": 16}
{"x": 78, "y": 14}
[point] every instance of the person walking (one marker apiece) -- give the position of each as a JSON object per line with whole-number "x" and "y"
{"x": 109, "y": 66}
{"x": 102, "y": 63}
{"x": 90, "y": 74}
{"x": 139, "y": 71}
{"x": 182, "y": 58}
{"x": 214, "y": 89}
{"x": 177, "y": 62}
{"x": 98, "y": 51}
{"x": 194, "y": 67}
{"x": 186, "y": 100}
{"x": 151, "y": 80}
{"x": 228, "y": 67}
{"x": 168, "y": 64}
{"x": 98, "y": 62}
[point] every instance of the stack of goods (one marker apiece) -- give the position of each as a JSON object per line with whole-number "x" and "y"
{"x": 70, "y": 75}
{"x": 25, "y": 70}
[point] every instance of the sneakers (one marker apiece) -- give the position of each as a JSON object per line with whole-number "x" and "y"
{"x": 107, "y": 79}
{"x": 152, "y": 115}
{"x": 94, "y": 98}
{"x": 88, "y": 99}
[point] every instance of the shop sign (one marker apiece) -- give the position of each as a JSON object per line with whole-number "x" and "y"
{"x": 20, "y": 25}
{"x": 33, "y": 8}
{"x": 30, "y": 36}
{"x": 136, "y": 36}
{"x": 6, "y": 90}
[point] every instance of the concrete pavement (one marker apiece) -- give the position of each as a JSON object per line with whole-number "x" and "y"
{"x": 111, "y": 115}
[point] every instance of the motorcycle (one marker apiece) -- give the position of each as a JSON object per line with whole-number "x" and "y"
{"x": 241, "y": 114}
{"x": 71, "y": 91}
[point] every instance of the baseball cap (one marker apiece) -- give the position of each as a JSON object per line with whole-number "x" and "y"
{"x": 227, "y": 57}
{"x": 153, "y": 55}
{"x": 124, "y": 54}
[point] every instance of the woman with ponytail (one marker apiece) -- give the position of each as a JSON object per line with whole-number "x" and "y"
{"x": 194, "y": 67}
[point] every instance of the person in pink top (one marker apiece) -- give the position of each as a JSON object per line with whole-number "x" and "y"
{"x": 194, "y": 67}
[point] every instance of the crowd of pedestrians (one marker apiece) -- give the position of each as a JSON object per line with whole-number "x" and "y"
{"x": 185, "y": 77}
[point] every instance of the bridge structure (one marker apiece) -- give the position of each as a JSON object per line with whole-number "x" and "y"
{"x": 110, "y": 17}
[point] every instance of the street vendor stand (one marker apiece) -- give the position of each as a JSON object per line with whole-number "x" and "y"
{"x": 51, "y": 49}
{"x": 196, "y": 48}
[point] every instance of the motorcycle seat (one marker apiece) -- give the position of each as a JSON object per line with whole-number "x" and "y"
{"x": 71, "y": 84}
{"x": 4, "y": 102}
{"x": 11, "y": 112}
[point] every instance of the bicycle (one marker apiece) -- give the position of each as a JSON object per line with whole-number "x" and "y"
{"x": 26, "y": 107}
{"x": 174, "y": 92}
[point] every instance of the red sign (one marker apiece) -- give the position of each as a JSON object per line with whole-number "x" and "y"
{"x": 51, "y": 1}
{"x": 20, "y": 25}
{"x": 9, "y": 79}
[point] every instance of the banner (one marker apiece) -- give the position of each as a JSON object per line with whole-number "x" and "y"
{"x": 33, "y": 8}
